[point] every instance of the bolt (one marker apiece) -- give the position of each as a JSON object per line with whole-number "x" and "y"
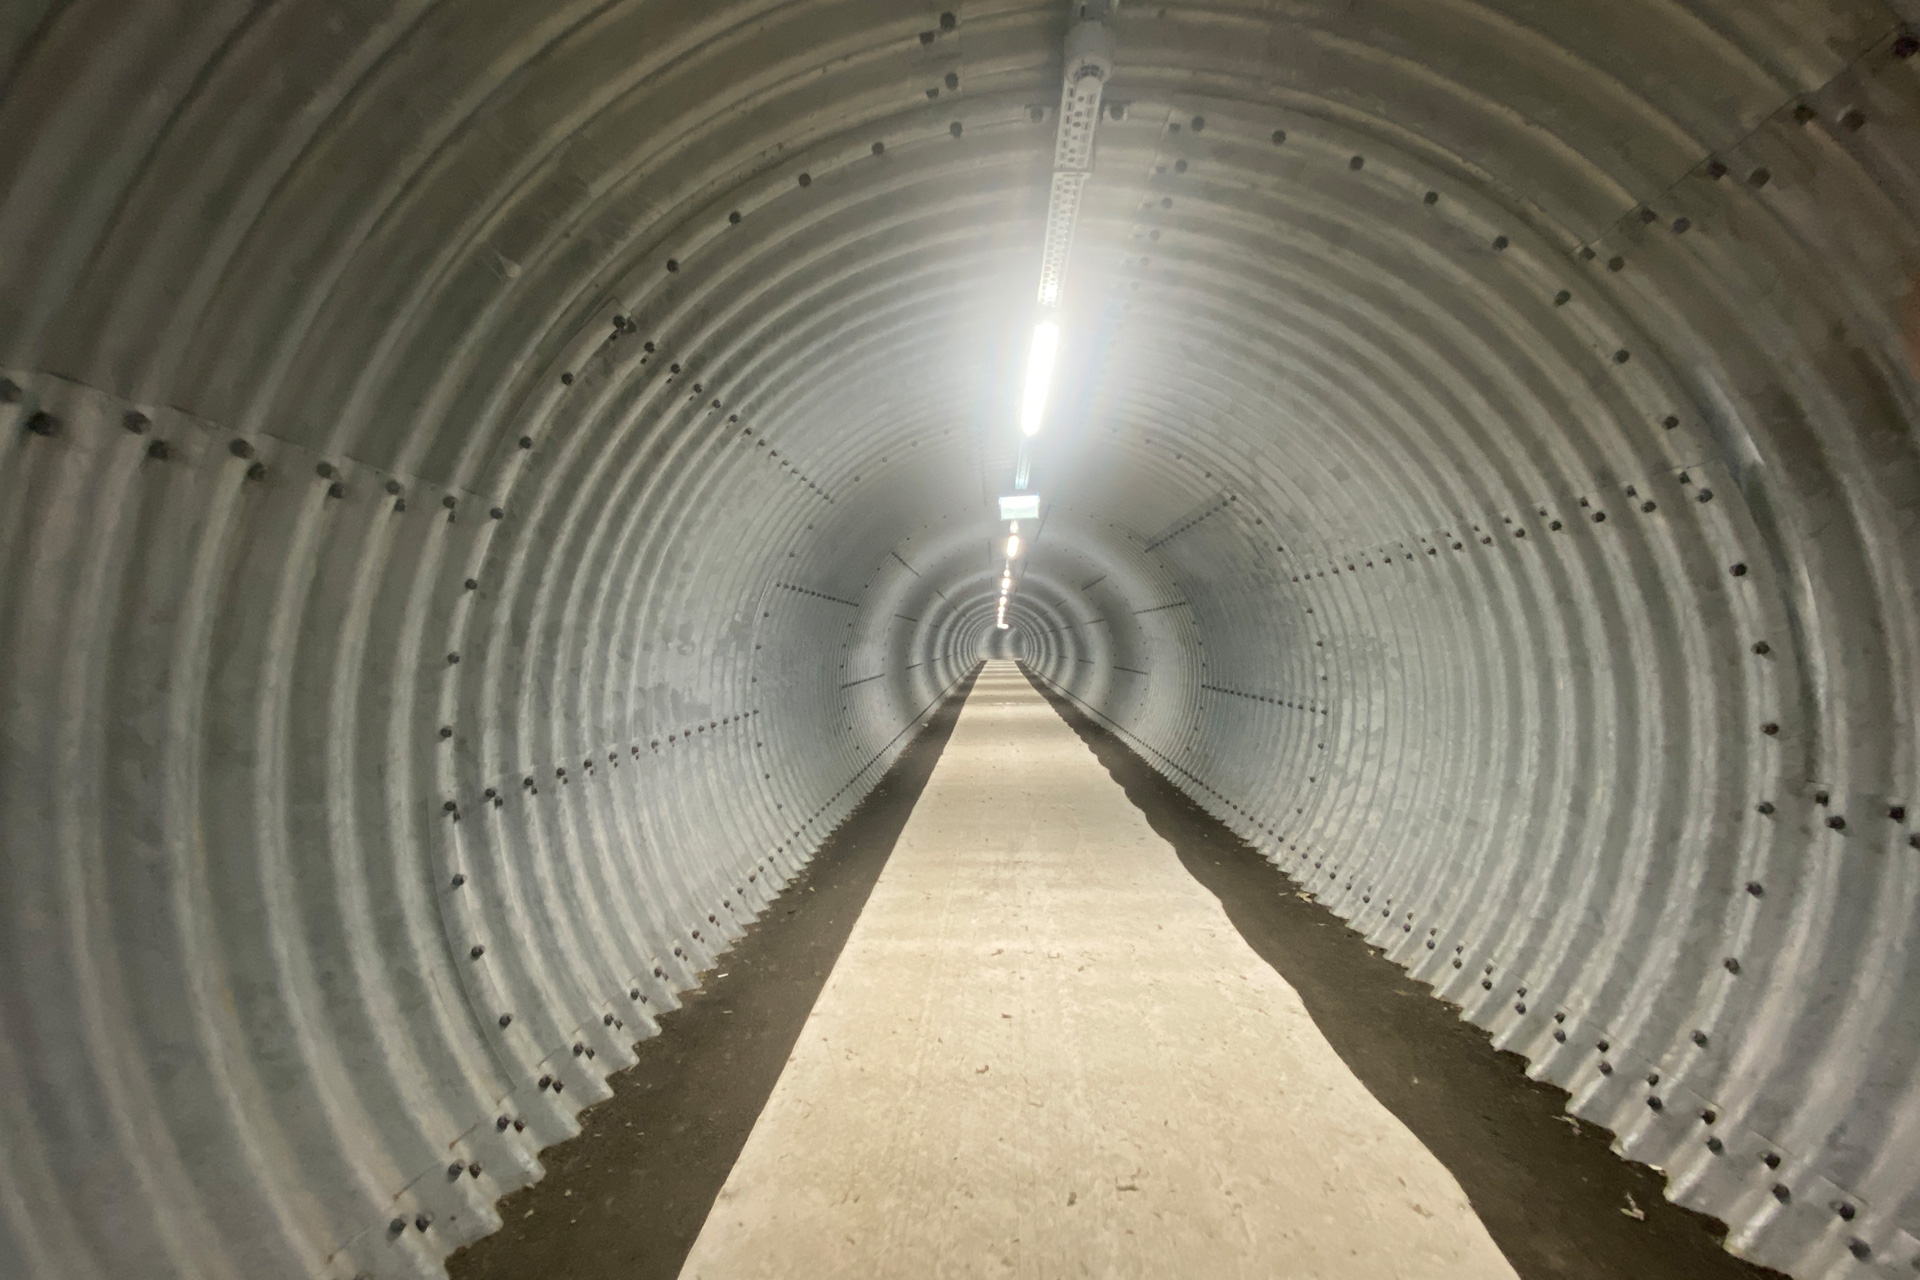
{"x": 1755, "y": 888}
{"x": 1730, "y": 965}
{"x": 43, "y": 423}
{"x": 1837, "y": 823}
{"x": 1700, "y": 1038}
{"x": 477, "y": 950}
{"x": 506, "y": 1019}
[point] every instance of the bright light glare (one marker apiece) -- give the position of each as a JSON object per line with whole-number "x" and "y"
{"x": 1013, "y": 546}
{"x": 1021, "y": 506}
{"x": 1033, "y": 402}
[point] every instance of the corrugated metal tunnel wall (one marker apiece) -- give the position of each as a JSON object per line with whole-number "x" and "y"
{"x": 486, "y": 487}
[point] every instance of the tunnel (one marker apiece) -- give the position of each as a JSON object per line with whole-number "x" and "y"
{"x": 489, "y": 490}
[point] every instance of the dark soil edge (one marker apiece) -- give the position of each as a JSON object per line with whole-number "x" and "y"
{"x": 1552, "y": 1193}
{"x": 628, "y": 1196}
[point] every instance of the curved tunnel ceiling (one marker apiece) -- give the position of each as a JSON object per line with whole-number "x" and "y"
{"x": 487, "y": 486}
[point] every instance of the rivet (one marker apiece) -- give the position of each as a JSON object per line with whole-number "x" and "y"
{"x": 1755, "y": 888}
{"x": 566, "y": 379}
{"x": 1706, "y": 495}
{"x": 159, "y": 451}
{"x": 1700, "y": 1038}
{"x": 1771, "y": 1160}
{"x": 1765, "y": 808}
{"x": 1837, "y": 823}
{"x": 1730, "y": 965}
{"x": 473, "y": 584}
{"x": 394, "y": 487}
{"x": 1770, "y": 729}
{"x": 1716, "y": 1146}
{"x": 1762, "y": 647}
{"x": 43, "y": 423}
{"x": 336, "y": 490}
{"x": 458, "y": 879}
{"x": 477, "y": 950}
{"x": 506, "y": 1019}
{"x": 498, "y": 514}
{"x": 449, "y": 502}
{"x": 1357, "y": 163}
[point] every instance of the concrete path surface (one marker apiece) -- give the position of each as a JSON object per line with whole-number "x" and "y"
{"x": 1045, "y": 1052}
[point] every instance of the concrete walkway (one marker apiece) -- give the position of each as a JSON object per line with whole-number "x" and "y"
{"x": 1045, "y": 1052}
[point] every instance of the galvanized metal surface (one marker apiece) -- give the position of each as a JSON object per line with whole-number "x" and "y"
{"x": 1321, "y": 410}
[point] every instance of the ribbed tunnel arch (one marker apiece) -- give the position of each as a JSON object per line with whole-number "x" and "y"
{"x": 486, "y": 488}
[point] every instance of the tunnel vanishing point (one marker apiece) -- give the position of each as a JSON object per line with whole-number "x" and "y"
{"x": 487, "y": 489}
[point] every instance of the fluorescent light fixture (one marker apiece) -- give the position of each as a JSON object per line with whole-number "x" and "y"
{"x": 1033, "y": 402}
{"x": 1013, "y": 546}
{"x": 1020, "y": 506}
